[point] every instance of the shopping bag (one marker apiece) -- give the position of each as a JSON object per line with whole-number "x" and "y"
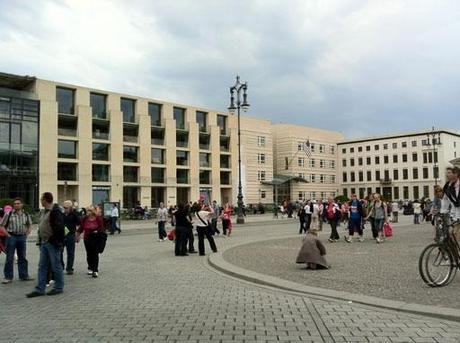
{"x": 387, "y": 230}
{"x": 172, "y": 234}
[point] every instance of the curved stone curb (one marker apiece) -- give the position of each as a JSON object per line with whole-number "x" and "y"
{"x": 217, "y": 261}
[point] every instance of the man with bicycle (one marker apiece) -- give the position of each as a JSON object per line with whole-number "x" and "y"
{"x": 450, "y": 203}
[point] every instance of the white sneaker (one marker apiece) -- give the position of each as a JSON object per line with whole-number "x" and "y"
{"x": 164, "y": 239}
{"x": 89, "y": 272}
{"x": 378, "y": 240}
{"x": 160, "y": 240}
{"x": 95, "y": 274}
{"x": 361, "y": 239}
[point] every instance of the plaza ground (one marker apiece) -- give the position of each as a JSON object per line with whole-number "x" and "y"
{"x": 146, "y": 294}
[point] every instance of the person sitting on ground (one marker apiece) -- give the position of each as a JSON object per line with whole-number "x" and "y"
{"x": 312, "y": 252}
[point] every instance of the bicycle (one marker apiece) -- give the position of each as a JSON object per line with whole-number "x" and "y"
{"x": 439, "y": 261}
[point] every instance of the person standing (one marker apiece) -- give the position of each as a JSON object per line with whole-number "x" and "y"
{"x": 379, "y": 216}
{"x": 315, "y": 216}
{"x": 227, "y": 220}
{"x": 203, "y": 227}
{"x": 370, "y": 217}
{"x": 356, "y": 213}
{"x": 114, "y": 214}
{"x": 215, "y": 216}
{"x": 302, "y": 216}
{"x": 450, "y": 202}
{"x": 90, "y": 225}
{"x": 417, "y": 211}
{"x": 308, "y": 214}
{"x": 16, "y": 227}
{"x": 321, "y": 213}
{"x": 182, "y": 221}
{"x": 71, "y": 222}
{"x": 162, "y": 218}
{"x": 332, "y": 212}
{"x": 52, "y": 234}
{"x": 395, "y": 211}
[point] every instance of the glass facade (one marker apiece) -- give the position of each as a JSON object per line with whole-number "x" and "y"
{"x": 67, "y": 149}
{"x": 155, "y": 114}
{"x": 179, "y": 117}
{"x": 98, "y": 105}
{"x": 19, "y": 120}
{"x": 101, "y": 172}
{"x": 201, "y": 119}
{"x": 65, "y": 98}
{"x": 100, "y": 152}
{"x": 127, "y": 107}
{"x": 130, "y": 154}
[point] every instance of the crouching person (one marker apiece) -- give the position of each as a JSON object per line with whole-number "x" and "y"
{"x": 312, "y": 252}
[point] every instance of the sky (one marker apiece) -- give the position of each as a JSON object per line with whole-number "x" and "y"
{"x": 358, "y": 67}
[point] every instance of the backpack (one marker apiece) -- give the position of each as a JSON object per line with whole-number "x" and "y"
{"x": 330, "y": 214}
{"x": 57, "y": 225}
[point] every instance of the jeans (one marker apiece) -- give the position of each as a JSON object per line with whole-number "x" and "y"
{"x": 113, "y": 225}
{"x": 181, "y": 241}
{"x": 214, "y": 226}
{"x": 69, "y": 245}
{"x": 303, "y": 227}
{"x": 378, "y": 224}
{"x": 416, "y": 218}
{"x": 92, "y": 255}
{"x": 17, "y": 243}
{"x": 354, "y": 225}
{"x": 161, "y": 229}
{"x": 202, "y": 232}
{"x": 375, "y": 232}
{"x": 334, "y": 233}
{"x": 50, "y": 257}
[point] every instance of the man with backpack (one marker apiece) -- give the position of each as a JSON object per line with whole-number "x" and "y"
{"x": 51, "y": 234}
{"x": 16, "y": 226}
{"x": 332, "y": 212}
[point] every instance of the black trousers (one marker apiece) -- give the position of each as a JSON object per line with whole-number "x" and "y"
{"x": 214, "y": 226}
{"x": 181, "y": 241}
{"x": 375, "y": 232}
{"x": 307, "y": 222}
{"x": 303, "y": 227}
{"x": 225, "y": 223}
{"x": 92, "y": 255}
{"x": 190, "y": 239}
{"x": 334, "y": 233}
{"x": 202, "y": 232}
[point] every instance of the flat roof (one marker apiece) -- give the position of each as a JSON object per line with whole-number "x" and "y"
{"x": 398, "y": 135}
{"x": 16, "y": 81}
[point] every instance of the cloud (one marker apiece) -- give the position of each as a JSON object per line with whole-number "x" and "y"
{"x": 360, "y": 67}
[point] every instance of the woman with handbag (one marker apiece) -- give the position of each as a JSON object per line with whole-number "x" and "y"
{"x": 379, "y": 216}
{"x": 203, "y": 227}
{"x": 91, "y": 226}
{"x": 227, "y": 220}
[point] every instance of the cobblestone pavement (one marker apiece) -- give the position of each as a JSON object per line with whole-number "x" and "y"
{"x": 388, "y": 270}
{"x": 144, "y": 293}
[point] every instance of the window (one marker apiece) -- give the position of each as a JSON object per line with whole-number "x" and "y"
{"x": 101, "y": 172}
{"x": 414, "y": 157}
{"x": 385, "y": 159}
{"x": 386, "y": 174}
{"x": 65, "y": 100}
{"x": 369, "y": 176}
{"x": 360, "y": 176}
{"x": 157, "y": 136}
{"x": 130, "y": 154}
{"x": 322, "y": 148}
{"x": 332, "y": 164}
{"x": 130, "y": 174}
{"x": 261, "y": 158}
{"x": 222, "y": 124}
{"x": 100, "y": 152}
{"x": 179, "y": 117}
{"x": 395, "y": 145}
{"x": 155, "y": 114}
{"x": 225, "y": 178}
{"x": 368, "y": 161}
{"x": 302, "y": 175}
{"x": 416, "y": 192}
{"x": 204, "y": 141}
{"x": 261, "y": 175}
{"x": 344, "y": 162}
{"x": 312, "y": 163}
{"x": 415, "y": 173}
{"x": 101, "y": 130}
{"x": 261, "y": 141}
{"x": 425, "y": 172}
{"x": 352, "y": 162}
{"x": 224, "y": 143}
{"x": 67, "y": 149}
{"x": 322, "y": 163}
{"x": 313, "y": 178}
{"x": 205, "y": 160}
{"x": 395, "y": 193}
{"x": 67, "y": 126}
{"x": 376, "y": 147}
{"x": 414, "y": 144}
{"x": 332, "y": 178}
{"x": 332, "y": 150}
{"x": 344, "y": 177}
{"x": 426, "y": 191}
{"x": 406, "y": 192}
{"x": 263, "y": 194}
{"x": 98, "y": 105}
{"x": 301, "y": 162}
{"x": 182, "y": 176}
{"x": 377, "y": 175}
{"x": 158, "y": 175}
{"x": 344, "y": 150}
{"x": 299, "y": 147}
{"x": 395, "y": 158}
{"x": 404, "y": 144}
{"x": 352, "y": 177}
{"x": 385, "y": 146}
{"x": 405, "y": 174}
{"x": 377, "y": 159}
{"x": 67, "y": 171}
{"x": 360, "y": 149}
{"x": 224, "y": 161}
{"x": 321, "y": 178}
{"x": 368, "y": 148}
{"x": 130, "y": 133}
{"x": 127, "y": 107}
{"x": 158, "y": 156}
{"x": 351, "y": 149}
{"x": 312, "y": 147}
{"x": 182, "y": 139}
{"x": 202, "y": 120}
{"x": 360, "y": 161}
{"x": 205, "y": 177}
{"x": 395, "y": 174}
{"x": 181, "y": 158}
{"x": 404, "y": 157}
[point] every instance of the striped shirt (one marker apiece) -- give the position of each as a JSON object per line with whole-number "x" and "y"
{"x": 18, "y": 224}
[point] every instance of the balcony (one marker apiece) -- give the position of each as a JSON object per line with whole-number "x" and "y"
{"x": 386, "y": 181}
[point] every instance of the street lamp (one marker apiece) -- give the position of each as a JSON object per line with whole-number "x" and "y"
{"x": 237, "y": 90}
{"x": 434, "y": 139}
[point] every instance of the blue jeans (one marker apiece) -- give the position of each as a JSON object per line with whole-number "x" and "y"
{"x": 18, "y": 244}
{"x": 69, "y": 245}
{"x": 50, "y": 257}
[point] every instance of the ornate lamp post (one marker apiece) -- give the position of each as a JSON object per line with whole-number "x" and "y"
{"x": 433, "y": 138}
{"x": 236, "y": 91}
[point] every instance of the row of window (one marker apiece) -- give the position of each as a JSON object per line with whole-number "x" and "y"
{"x": 386, "y": 146}
{"x": 322, "y": 148}
{"x": 312, "y": 163}
{"x": 391, "y": 193}
{"x": 65, "y": 98}
{"x": 428, "y": 157}
{"x": 359, "y": 176}
{"x": 318, "y": 178}
{"x": 101, "y": 173}
{"x": 304, "y": 196}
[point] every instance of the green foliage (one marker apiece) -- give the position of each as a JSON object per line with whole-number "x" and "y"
{"x": 341, "y": 199}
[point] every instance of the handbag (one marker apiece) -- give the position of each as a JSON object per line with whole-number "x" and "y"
{"x": 387, "y": 230}
{"x": 171, "y": 234}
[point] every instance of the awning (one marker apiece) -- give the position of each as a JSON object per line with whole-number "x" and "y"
{"x": 282, "y": 179}
{"x": 16, "y": 81}
{"x": 456, "y": 162}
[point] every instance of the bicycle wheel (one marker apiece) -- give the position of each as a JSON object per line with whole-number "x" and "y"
{"x": 436, "y": 265}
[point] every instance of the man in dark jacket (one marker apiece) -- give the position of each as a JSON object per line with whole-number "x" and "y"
{"x": 71, "y": 222}
{"x": 51, "y": 234}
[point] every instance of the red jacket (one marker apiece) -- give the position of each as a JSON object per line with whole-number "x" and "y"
{"x": 86, "y": 229}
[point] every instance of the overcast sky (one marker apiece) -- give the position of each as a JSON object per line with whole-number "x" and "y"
{"x": 359, "y": 67}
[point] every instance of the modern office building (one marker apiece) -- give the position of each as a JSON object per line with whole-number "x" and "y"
{"x": 404, "y": 166}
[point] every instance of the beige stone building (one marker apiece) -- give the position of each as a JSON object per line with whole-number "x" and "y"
{"x": 299, "y": 176}
{"x": 400, "y": 167}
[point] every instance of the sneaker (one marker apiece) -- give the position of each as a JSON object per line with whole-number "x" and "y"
{"x": 165, "y": 239}
{"x": 69, "y": 272}
{"x": 95, "y": 274}
{"x": 160, "y": 240}
{"x": 28, "y": 279}
{"x": 361, "y": 239}
{"x": 331, "y": 240}
{"x": 54, "y": 292}
{"x": 34, "y": 294}
{"x": 348, "y": 239}
{"x": 378, "y": 240}
{"x": 90, "y": 272}
{"x": 7, "y": 281}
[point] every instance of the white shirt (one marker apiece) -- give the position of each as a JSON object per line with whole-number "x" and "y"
{"x": 395, "y": 207}
{"x": 205, "y": 216}
{"x": 448, "y": 207}
{"x": 114, "y": 212}
{"x": 162, "y": 214}
{"x": 307, "y": 209}
{"x": 417, "y": 208}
